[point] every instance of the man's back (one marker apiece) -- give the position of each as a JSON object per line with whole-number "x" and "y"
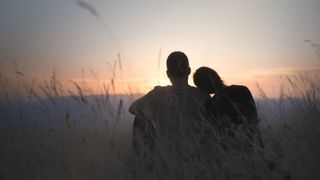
{"x": 164, "y": 105}
{"x": 165, "y": 111}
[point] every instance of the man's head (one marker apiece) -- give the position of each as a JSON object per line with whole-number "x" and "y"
{"x": 178, "y": 66}
{"x": 207, "y": 80}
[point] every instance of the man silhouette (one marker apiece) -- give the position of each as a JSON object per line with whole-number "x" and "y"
{"x": 162, "y": 112}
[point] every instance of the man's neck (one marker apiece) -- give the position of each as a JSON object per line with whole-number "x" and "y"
{"x": 179, "y": 82}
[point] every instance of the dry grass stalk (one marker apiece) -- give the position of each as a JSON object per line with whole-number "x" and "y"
{"x": 80, "y": 92}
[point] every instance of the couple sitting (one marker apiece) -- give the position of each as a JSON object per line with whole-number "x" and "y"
{"x": 162, "y": 113}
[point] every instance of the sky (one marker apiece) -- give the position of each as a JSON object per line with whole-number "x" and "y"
{"x": 245, "y": 41}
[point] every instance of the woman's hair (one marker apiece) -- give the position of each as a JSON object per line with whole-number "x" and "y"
{"x": 207, "y": 79}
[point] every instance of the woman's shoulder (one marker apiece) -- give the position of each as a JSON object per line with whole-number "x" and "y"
{"x": 240, "y": 87}
{"x": 237, "y": 89}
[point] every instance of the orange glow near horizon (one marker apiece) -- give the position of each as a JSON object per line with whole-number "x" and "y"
{"x": 273, "y": 82}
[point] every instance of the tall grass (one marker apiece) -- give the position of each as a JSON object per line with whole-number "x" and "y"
{"x": 48, "y": 131}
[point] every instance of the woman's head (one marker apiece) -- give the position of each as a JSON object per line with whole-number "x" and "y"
{"x": 207, "y": 80}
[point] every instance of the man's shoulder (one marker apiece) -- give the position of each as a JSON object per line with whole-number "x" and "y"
{"x": 149, "y": 99}
{"x": 198, "y": 92}
{"x": 197, "y": 96}
{"x": 158, "y": 90}
{"x": 155, "y": 92}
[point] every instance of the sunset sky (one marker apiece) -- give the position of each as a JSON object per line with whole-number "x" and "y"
{"x": 245, "y": 41}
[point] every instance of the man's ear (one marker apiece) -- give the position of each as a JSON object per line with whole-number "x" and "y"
{"x": 168, "y": 74}
{"x": 189, "y": 70}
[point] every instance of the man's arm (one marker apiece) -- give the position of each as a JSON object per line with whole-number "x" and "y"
{"x": 143, "y": 136}
{"x": 143, "y": 129}
{"x": 142, "y": 105}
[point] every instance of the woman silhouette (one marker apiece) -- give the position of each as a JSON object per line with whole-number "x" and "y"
{"x": 230, "y": 106}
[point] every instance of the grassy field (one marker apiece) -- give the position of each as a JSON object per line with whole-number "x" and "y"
{"x": 49, "y": 132}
